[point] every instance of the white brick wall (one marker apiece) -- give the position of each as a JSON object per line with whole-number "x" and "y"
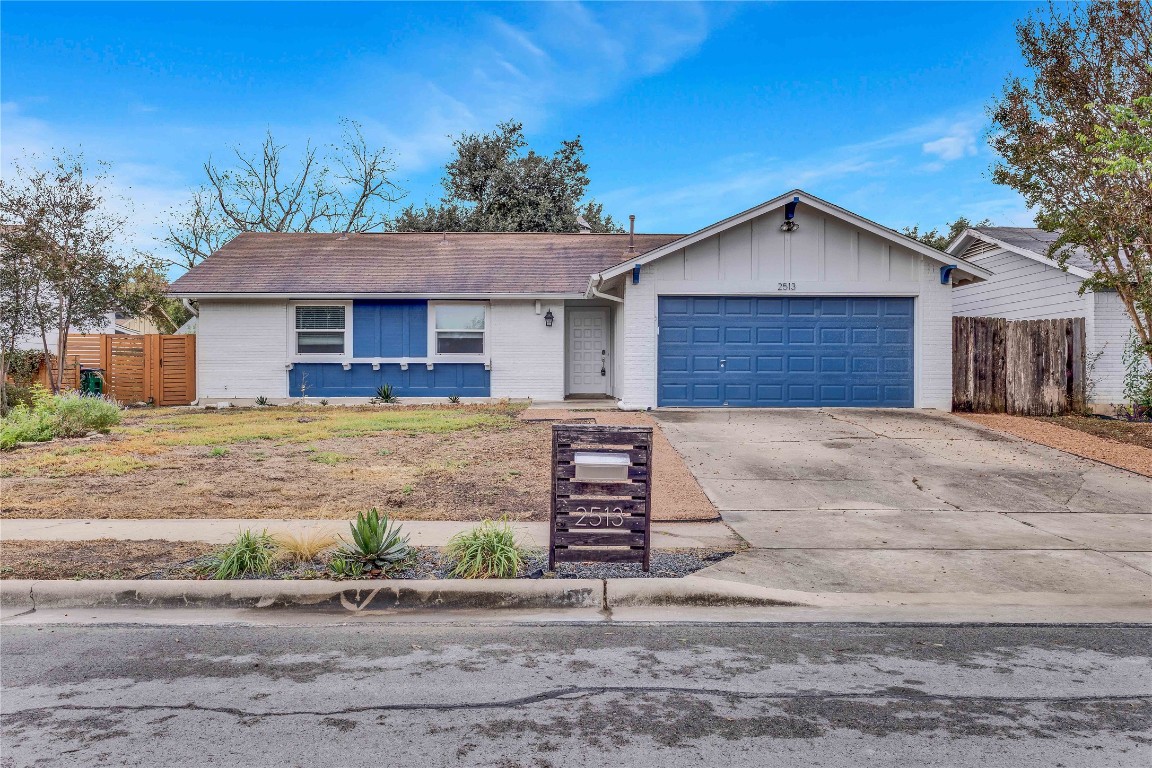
{"x": 1108, "y": 330}
{"x": 527, "y": 356}
{"x": 933, "y": 339}
{"x": 636, "y": 347}
{"x": 241, "y": 349}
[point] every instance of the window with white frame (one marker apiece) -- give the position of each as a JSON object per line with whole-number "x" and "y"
{"x": 459, "y": 328}
{"x": 321, "y": 329}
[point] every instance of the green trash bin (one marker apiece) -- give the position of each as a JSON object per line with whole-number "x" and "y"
{"x": 91, "y": 381}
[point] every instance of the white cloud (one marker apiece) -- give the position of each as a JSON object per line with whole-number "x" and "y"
{"x": 958, "y": 142}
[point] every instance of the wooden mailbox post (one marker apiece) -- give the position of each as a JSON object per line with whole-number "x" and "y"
{"x": 601, "y": 521}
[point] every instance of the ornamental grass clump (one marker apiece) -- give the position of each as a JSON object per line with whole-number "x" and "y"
{"x": 375, "y": 547}
{"x": 306, "y": 545}
{"x": 249, "y": 554}
{"x": 488, "y": 551}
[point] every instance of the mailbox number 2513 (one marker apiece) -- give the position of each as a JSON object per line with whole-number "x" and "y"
{"x": 613, "y": 516}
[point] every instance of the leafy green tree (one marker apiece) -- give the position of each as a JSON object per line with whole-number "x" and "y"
{"x": 1074, "y": 140}
{"x": 494, "y": 185}
{"x": 940, "y": 240}
{"x": 63, "y": 239}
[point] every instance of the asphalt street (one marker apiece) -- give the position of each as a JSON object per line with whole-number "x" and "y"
{"x": 539, "y": 695}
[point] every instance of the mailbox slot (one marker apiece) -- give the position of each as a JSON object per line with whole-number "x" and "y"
{"x": 601, "y": 467}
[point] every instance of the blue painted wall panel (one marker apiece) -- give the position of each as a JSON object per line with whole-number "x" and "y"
{"x": 331, "y": 380}
{"x": 785, "y": 352}
{"x": 389, "y": 328}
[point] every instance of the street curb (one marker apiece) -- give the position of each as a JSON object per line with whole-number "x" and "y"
{"x": 694, "y": 592}
{"x": 321, "y": 596}
{"x": 398, "y": 594}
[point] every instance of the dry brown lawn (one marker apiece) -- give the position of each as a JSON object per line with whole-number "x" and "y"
{"x": 99, "y": 559}
{"x": 416, "y": 463}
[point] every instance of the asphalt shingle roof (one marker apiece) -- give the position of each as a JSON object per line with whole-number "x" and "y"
{"x": 410, "y": 262}
{"x": 1037, "y": 241}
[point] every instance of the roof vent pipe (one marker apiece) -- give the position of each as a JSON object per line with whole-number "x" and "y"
{"x": 631, "y": 233}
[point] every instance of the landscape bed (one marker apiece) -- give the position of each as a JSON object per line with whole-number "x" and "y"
{"x": 114, "y": 559}
{"x": 449, "y": 462}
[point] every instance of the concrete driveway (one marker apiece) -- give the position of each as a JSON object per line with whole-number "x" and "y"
{"x": 914, "y": 502}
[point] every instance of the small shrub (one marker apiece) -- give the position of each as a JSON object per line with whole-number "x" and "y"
{"x": 323, "y": 402}
{"x": 305, "y": 545}
{"x": 488, "y": 551}
{"x": 376, "y": 545}
{"x": 261, "y": 400}
{"x": 454, "y": 398}
{"x": 218, "y": 452}
{"x": 248, "y": 554}
{"x": 384, "y": 394}
{"x": 26, "y": 425}
{"x": 76, "y": 415}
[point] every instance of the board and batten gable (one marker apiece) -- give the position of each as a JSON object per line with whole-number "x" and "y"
{"x": 825, "y": 256}
{"x": 241, "y": 349}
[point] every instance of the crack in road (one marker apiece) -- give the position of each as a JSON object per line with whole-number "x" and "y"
{"x": 584, "y": 692}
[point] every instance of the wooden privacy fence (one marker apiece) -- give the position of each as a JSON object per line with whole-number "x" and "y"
{"x": 147, "y": 368}
{"x": 1022, "y": 367}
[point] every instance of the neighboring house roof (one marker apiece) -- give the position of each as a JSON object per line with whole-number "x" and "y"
{"x": 971, "y": 270}
{"x": 1030, "y": 242}
{"x": 420, "y": 263}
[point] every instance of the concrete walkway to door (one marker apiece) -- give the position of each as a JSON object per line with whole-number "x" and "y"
{"x": 883, "y": 507}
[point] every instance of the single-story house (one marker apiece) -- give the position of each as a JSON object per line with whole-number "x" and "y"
{"x": 795, "y": 302}
{"x": 1026, "y": 284}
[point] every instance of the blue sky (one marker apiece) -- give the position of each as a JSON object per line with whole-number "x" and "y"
{"x": 689, "y": 113}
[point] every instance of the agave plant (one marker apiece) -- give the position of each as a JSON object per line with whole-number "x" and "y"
{"x": 376, "y": 544}
{"x": 384, "y": 394}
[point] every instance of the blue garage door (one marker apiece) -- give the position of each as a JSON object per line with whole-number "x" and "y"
{"x": 795, "y": 352}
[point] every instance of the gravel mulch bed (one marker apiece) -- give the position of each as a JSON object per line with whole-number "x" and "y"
{"x": 1072, "y": 435}
{"x": 114, "y": 559}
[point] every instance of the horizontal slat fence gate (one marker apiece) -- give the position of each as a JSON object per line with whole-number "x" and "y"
{"x": 1021, "y": 367}
{"x": 148, "y": 368}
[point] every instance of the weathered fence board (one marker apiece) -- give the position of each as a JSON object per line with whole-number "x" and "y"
{"x": 1023, "y": 367}
{"x": 146, "y": 368}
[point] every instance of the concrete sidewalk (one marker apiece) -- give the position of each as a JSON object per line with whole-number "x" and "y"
{"x": 422, "y": 533}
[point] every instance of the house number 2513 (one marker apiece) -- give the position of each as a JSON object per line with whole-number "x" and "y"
{"x": 785, "y": 286}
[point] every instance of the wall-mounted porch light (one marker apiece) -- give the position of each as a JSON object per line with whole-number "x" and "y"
{"x": 548, "y": 318}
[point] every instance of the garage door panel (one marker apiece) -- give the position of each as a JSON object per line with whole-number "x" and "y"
{"x": 785, "y": 352}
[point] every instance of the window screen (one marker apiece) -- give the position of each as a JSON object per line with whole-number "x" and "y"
{"x": 320, "y": 330}
{"x": 460, "y": 329}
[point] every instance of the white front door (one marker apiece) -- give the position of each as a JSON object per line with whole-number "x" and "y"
{"x": 588, "y": 351}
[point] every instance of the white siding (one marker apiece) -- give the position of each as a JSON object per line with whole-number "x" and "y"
{"x": 241, "y": 350}
{"x": 824, "y": 257}
{"x": 1107, "y": 335}
{"x": 1020, "y": 289}
{"x": 527, "y": 356}
{"x": 1025, "y": 289}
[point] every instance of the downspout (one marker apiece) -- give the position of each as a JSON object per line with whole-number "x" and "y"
{"x": 593, "y": 290}
{"x": 188, "y": 306}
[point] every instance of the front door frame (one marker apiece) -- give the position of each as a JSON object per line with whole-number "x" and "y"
{"x": 606, "y": 312}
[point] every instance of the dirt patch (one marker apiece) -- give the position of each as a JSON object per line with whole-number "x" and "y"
{"x": 1078, "y": 435}
{"x": 459, "y": 463}
{"x": 99, "y": 559}
{"x": 676, "y": 494}
{"x": 1132, "y": 432}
